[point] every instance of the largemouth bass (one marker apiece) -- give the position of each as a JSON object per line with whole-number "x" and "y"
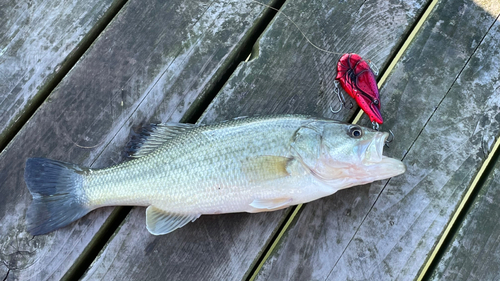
{"x": 182, "y": 171}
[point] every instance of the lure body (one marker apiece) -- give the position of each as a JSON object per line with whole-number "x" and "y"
{"x": 358, "y": 80}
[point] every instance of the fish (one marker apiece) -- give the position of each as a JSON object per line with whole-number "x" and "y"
{"x": 182, "y": 171}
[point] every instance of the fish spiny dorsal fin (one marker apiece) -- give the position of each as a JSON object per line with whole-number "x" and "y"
{"x": 154, "y": 135}
{"x": 159, "y": 222}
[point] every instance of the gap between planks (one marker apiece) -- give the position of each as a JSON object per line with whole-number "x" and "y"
{"x": 478, "y": 181}
{"x": 385, "y": 73}
{"x": 458, "y": 216}
{"x": 66, "y": 66}
{"x": 113, "y": 222}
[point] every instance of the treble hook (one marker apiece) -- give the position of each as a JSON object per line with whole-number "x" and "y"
{"x": 376, "y": 126}
{"x": 341, "y": 99}
{"x": 337, "y": 91}
{"x": 387, "y": 141}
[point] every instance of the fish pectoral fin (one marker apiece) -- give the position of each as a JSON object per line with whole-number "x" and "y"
{"x": 264, "y": 168}
{"x": 265, "y": 205}
{"x": 159, "y": 222}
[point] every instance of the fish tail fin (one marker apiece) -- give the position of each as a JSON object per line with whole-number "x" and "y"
{"x": 58, "y": 197}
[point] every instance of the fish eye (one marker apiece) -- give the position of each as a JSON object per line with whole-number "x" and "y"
{"x": 355, "y": 132}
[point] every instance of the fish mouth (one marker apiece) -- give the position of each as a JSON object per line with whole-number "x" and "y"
{"x": 378, "y": 165}
{"x": 367, "y": 165}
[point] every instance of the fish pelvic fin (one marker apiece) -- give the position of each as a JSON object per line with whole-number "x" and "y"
{"x": 57, "y": 193}
{"x": 267, "y": 205}
{"x": 159, "y": 222}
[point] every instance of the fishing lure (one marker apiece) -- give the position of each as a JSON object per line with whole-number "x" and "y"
{"x": 358, "y": 80}
{"x": 355, "y": 76}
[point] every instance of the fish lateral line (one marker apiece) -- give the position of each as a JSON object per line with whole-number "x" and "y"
{"x": 254, "y": 164}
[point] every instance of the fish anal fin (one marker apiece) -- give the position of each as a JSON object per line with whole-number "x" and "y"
{"x": 266, "y": 205}
{"x": 159, "y": 222}
{"x": 264, "y": 168}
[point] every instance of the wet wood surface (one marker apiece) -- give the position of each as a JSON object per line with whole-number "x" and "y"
{"x": 142, "y": 69}
{"x": 36, "y": 38}
{"x": 158, "y": 62}
{"x": 442, "y": 104}
{"x": 285, "y": 75}
{"x": 473, "y": 253}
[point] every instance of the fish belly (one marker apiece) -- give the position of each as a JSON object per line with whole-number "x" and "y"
{"x": 200, "y": 172}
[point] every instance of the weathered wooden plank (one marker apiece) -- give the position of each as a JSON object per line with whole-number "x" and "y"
{"x": 36, "y": 37}
{"x": 474, "y": 253}
{"x": 386, "y": 230}
{"x": 284, "y": 78}
{"x": 153, "y": 62}
{"x": 302, "y": 76}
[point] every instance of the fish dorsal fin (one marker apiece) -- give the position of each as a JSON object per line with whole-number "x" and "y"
{"x": 265, "y": 205}
{"x": 159, "y": 222}
{"x": 154, "y": 136}
{"x": 264, "y": 168}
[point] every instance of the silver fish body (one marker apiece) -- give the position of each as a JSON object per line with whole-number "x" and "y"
{"x": 182, "y": 171}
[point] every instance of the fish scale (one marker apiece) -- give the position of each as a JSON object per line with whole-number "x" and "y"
{"x": 190, "y": 168}
{"x": 182, "y": 171}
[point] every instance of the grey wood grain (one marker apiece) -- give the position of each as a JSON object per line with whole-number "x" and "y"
{"x": 285, "y": 77}
{"x": 288, "y": 74}
{"x": 36, "y": 37}
{"x": 152, "y": 63}
{"x": 473, "y": 253}
{"x": 387, "y": 230}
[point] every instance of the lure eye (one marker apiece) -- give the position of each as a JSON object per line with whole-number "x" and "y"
{"x": 355, "y": 132}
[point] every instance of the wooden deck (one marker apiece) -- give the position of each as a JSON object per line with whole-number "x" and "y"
{"x": 76, "y": 78}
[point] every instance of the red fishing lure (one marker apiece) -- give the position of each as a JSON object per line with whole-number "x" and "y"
{"x": 358, "y": 80}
